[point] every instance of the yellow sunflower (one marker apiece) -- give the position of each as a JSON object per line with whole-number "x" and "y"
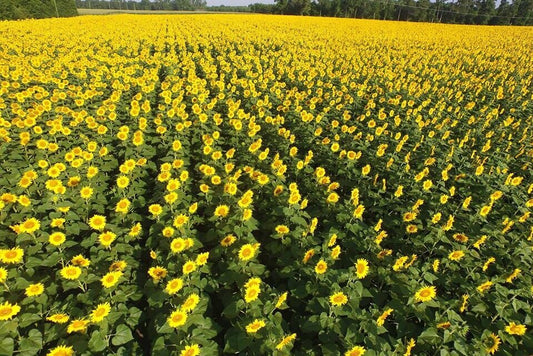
{"x": 8, "y": 311}
{"x": 174, "y": 286}
{"x": 515, "y": 329}
{"x": 177, "y": 318}
{"x": 338, "y": 299}
{"x": 34, "y": 290}
{"x": 356, "y": 351}
{"x": 111, "y": 278}
{"x": 425, "y": 294}
{"x": 61, "y": 351}
{"x": 13, "y": 255}
{"x": 255, "y": 326}
{"x": 97, "y": 222}
{"x": 70, "y": 272}
{"x": 77, "y": 326}
{"x": 100, "y": 312}
{"x": 192, "y": 350}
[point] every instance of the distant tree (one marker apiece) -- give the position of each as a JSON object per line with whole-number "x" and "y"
{"x": 293, "y": 7}
{"x": 423, "y": 12}
{"x": 261, "y": 8}
{"x": 485, "y": 10}
{"x": 22, "y": 9}
{"x": 524, "y": 12}
{"x": 466, "y": 11}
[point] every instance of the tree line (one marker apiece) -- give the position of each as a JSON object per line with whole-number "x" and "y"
{"x": 181, "y": 5}
{"x": 38, "y": 9}
{"x": 479, "y": 12}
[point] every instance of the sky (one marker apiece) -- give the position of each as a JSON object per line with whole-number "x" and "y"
{"x": 237, "y": 2}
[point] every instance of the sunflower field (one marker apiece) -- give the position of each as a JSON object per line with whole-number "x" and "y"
{"x": 265, "y": 185}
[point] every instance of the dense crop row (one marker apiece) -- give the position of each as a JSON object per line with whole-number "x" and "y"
{"x": 264, "y": 185}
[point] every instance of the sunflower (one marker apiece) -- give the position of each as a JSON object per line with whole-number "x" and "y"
{"x": 168, "y": 231}
{"x": 77, "y": 325}
{"x": 97, "y": 222}
{"x": 61, "y": 351}
{"x": 485, "y": 210}
{"x": 122, "y": 206}
{"x": 70, "y": 272}
{"x": 456, "y": 255}
{"x": 86, "y": 192}
{"x": 13, "y": 255}
{"x": 358, "y": 212}
{"x": 228, "y": 240}
{"x": 246, "y": 214}
{"x": 425, "y": 294}
{"x": 111, "y": 278}
{"x": 100, "y": 312}
{"x": 308, "y": 254}
{"x": 494, "y": 343}
{"x": 178, "y": 245}
{"x": 411, "y": 229}
{"x": 155, "y": 209}
{"x": 285, "y": 341}
{"x": 361, "y": 268}
{"x": 482, "y": 288}
{"x": 190, "y": 303}
{"x": 192, "y": 350}
{"x": 135, "y": 230}
{"x": 247, "y": 251}
{"x": 427, "y": 185}
{"x": 356, "y": 351}
{"x": 255, "y": 326}
{"x": 177, "y": 318}
{"x": 201, "y": 259}
{"x": 81, "y": 261}
{"x": 180, "y": 220}
{"x": 444, "y": 325}
{"x": 381, "y": 319}
{"x": 282, "y": 229}
{"x": 338, "y": 299}
{"x": 30, "y": 225}
{"x": 409, "y": 216}
{"x": 515, "y": 329}
{"x": 221, "y": 211}
{"x": 251, "y": 294}
{"x": 409, "y": 347}
{"x": 56, "y": 238}
{"x": 58, "y": 222}
{"x": 58, "y": 318}
{"x": 189, "y": 267}
{"x": 123, "y": 182}
{"x": 157, "y": 273}
{"x": 7, "y": 311}
{"x": 282, "y": 298}
{"x": 321, "y": 267}
{"x": 34, "y": 290}
{"x": 174, "y": 286}
{"x": 460, "y": 238}
{"x": 332, "y": 198}
{"x": 118, "y": 266}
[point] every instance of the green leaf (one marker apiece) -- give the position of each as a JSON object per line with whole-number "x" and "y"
{"x": 7, "y": 345}
{"x": 429, "y": 336}
{"x": 122, "y": 335}
{"x": 31, "y": 344}
{"x": 236, "y": 341}
{"x": 134, "y": 314}
{"x": 160, "y": 347}
{"x": 97, "y": 342}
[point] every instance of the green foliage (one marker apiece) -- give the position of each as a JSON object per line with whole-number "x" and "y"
{"x": 24, "y": 9}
